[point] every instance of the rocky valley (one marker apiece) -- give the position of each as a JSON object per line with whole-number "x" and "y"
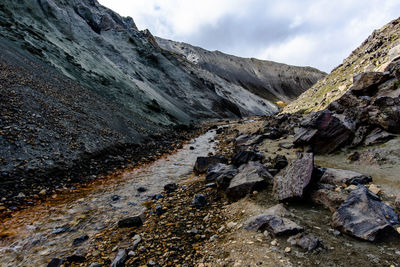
{"x": 119, "y": 148}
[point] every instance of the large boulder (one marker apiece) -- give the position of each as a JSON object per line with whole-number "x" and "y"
{"x": 325, "y": 132}
{"x": 222, "y": 174}
{"x": 273, "y": 220}
{"x": 340, "y": 177}
{"x": 294, "y": 183}
{"x": 365, "y": 216}
{"x": 385, "y": 112}
{"x": 203, "y": 163}
{"x": 244, "y": 157}
{"x": 367, "y": 83}
{"x": 378, "y": 136}
{"x": 252, "y": 176}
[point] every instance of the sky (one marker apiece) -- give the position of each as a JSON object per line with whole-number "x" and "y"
{"x": 317, "y": 33}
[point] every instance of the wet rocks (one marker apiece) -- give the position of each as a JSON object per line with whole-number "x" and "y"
{"x": 203, "y": 163}
{"x": 365, "y": 216}
{"x": 222, "y": 174}
{"x": 294, "y": 183}
{"x": 80, "y": 240}
{"x": 325, "y": 132}
{"x": 273, "y": 221}
{"x": 305, "y": 241}
{"x": 244, "y": 157}
{"x": 134, "y": 221}
{"x": 169, "y": 188}
{"x": 199, "y": 200}
{"x": 340, "y": 177}
{"x": 120, "y": 259}
{"x": 55, "y": 262}
{"x": 252, "y": 176}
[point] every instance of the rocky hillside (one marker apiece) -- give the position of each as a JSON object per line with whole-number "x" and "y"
{"x": 381, "y": 47}
{"x": 267, "y": 79}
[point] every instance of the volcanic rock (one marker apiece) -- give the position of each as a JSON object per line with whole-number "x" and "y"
{"x": 244, "y": 157}
{"x": 340, "y": 177}
{"x": 306, "y": 242}
{"x": 203, "y": 163}
{"x": 328, "y": 198}
{"x": 222, "y": 174}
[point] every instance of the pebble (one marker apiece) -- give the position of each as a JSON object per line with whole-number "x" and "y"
{"x": 288, "y": 250}
{"x": 274, "y": 243}
{"x": 199, "y": 200}
{"x": 374, "y": 189}
{"x": 231, "y": 225}
{"x": 78, "y": 241}
{"x": 43, "y": 192}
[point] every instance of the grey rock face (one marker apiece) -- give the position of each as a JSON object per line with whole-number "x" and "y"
{"x": 269, "y": 80}
{"x": 365, "y": 216}
{"x": 252, "y": 176}
{"x": 297, "y": 178}
{"x": 340, "y": 177}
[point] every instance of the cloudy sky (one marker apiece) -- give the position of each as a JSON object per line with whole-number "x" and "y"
{"x": 318, "y": 33}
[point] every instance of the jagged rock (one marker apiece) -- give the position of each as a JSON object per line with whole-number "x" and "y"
{"x": 367, "y": 83}
{"x": 273, "y": 220}
{"x": 325, "y": 132}
{"x": 328, "y": 198}
{"x": 272, "y": 133}
{"x": 306, "y": 242}
{"x": 203, "y": 163}
{"x": 340, "y": 177}
{"x": 135, "y": 221}
{"x": 120, "y": 258}
{"x": 365, "y": 216}
{"x": 252, "y": 176}
{"x": 385, "y": 112}
{"x": 244, "y": 141}
{"x": 279, "y": 162}
{"x": 222, "y": 174}
{"x": 286, "y": 145}
{"x": 55, "y": 262}
{"x": 360, "y": 135}
{"x": 294, "y": 183}
{"x": 244, "y": 157}
{"x": 378, "y": 136}
{"x": 78, "y": 241}
{"x": 397, "y": 202}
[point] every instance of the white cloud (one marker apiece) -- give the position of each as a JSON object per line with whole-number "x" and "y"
{"x": 319, "y": 33}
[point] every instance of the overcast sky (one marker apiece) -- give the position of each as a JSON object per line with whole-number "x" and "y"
{"x": 318, "y": 33}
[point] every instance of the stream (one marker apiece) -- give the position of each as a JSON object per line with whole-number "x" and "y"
{"x": 32, "y": 237}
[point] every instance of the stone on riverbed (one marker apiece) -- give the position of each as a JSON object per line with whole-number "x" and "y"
{"x": 294, "y": 183}
{"x": 203, "y": 163}
{"x": 328, "y": 198}
{"x": 306, "y": 242}
{"x": 244, "y": 157}
{"x": 55, "y": 262}
{"x": 222, "y": 174}
{"x": 134, "y": 221}
{"x": 340, "y": 177}
{"x": 273, "y": 221}
{"x": 120, "y": 258}
{"x": 252, "y": 176}
{"x": 365, "y": 216}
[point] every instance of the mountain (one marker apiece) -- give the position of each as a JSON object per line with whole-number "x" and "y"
{"x": 78, "y": 82}
{"x": 267, "y": 79}
{"x": 373, "y": 55}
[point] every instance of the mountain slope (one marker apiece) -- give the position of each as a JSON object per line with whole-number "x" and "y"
{"x": 372, "y": 55}
{"x": 267, "y": 79}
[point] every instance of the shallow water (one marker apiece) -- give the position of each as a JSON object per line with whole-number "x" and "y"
{"x": 33, "y": 237}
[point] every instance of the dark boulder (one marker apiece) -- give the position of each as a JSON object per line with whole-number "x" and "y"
{"x": 367, "y": 83}
{"x": 325, "y": 132}
{"x": 365, "y": 216}
{"x": 385, "y": 112}
{"x": 135, "y": 221}
{"x": 306, "y": 242}
{"x": 252, "y": 176}
{"x": 378, "y": 136}
{"x": 294, "y": 183}
{"x": 244, "y": 157}
{"x": 169, "y": 188}
{"x": 203, "y": 163}
{"x": 120, "y": 259}
{"x": 340, "y": 177}
{"x": 222, "y": 174}
{"x": 199, "y": 200}
{"x": 273, "y": 220}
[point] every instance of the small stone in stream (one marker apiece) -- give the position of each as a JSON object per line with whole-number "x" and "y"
{"x": 142, "y": 189}
{"x": 76, "y": 258}
{"x": 295, "y": 182}
{"x": 120, "y": 259}
{"x": 306, "y": 242}
{"x": 374, "y": 189}
{"x": 191, "y": 147}
{"x": 193, "y": 231}
{"x": 61, "y": 230}
{"x": 397, "y": 202}
{"x": 159, "y": 210}
{"x": 115, "y": 197}
{"x": 203, "y": 163}
{"x": 55, "y": 262}
{"x": 169, "y": 188}
{"x": 288, "y": 250}
{"x": 213, "y": 238}
{"x": 78, "y": 241}
{"x": 244, "y": 157}
{"x": 136, "y": 240}
{"x": 286, "y": 145}
{"x": 199, "y": 200}
{"x": 152, "y": 263}
{"x": 340, "y": 177}
{"x": 158, "y": 196}
{"x": 130, "y": 222}
{"x": 252, "y": 176}
{"x": 365, "y": 216}
{"x": 43, "y": 192}
{"x": 96, "y": 264}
